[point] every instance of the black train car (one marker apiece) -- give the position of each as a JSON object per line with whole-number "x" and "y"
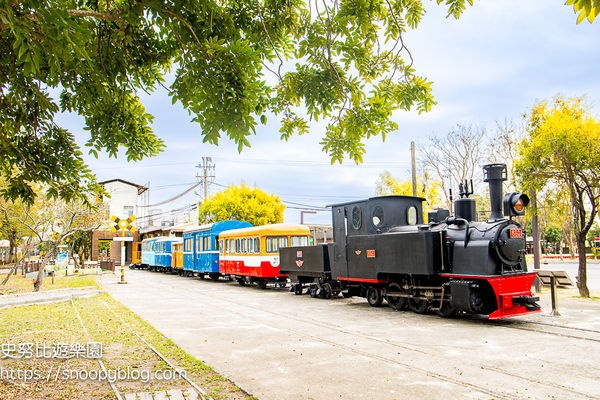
{"x": 382, "y": 250}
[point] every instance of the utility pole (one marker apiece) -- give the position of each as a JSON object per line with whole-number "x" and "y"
{"x": 413, "y": 158}
{"x": 208, "y": 172}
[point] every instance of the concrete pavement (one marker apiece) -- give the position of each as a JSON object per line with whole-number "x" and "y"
{"x": 276, "y": 345}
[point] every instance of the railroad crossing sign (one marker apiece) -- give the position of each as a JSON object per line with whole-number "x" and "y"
{"x": 122, "y": 224}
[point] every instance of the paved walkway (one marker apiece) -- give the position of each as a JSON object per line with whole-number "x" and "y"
{"x": 279, "y": 346}
{"x": 48, "y": 296}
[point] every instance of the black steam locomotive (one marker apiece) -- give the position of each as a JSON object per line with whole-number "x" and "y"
{"x": 382, "y": 250}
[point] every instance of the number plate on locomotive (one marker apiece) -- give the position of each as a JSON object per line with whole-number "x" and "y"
{"x": 516, "y": 233}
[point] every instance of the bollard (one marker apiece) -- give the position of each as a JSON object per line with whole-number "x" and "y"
{"x": 122, "y": 275}
{"x": 53, "y": 277}
{"x": 554, "y": 294}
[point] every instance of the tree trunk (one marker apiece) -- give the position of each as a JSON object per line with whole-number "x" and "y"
{"x": 37, "y": 286}
{"x": 582, "y": 272}
{"x": 12, "y": 271}
{"x": 536, "y": 239}
{"x": 571, "y": 245}
{"x": 12, "y": 240}
{"x": 560, "y": 249}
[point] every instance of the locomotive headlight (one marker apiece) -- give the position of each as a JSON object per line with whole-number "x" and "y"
{"x": 515, "y": 203}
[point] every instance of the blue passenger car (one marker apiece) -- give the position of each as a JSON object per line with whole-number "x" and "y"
{"x": 201, "y": 247}
{"x": 156, "y": 253}
{"x": 148, "y": 255}
{"x": 163, "y": 253}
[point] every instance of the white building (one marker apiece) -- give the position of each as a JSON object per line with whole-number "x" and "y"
{"x": 125, "y": 199}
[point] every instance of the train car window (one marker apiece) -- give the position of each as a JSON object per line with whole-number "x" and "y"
{"x": 207, "y": 243}
{"x": 187, "y": 246}
{"x": 257, "y": 245}
{"x": 218, "y": 244}
{"x": 250, "y": 245}
{"x": 230, "y": 246}
{"x": 356, "y": 218}
{"x": 411, "y": 215}
{"x": 275, "y": 242}
{"x": 298, "y": 241}
{"x": 243, "y": 245}
{"x": 237, "y": 246}
{"x": 377, "y": 216}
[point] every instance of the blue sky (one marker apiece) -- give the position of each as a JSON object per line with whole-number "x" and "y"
{"x": 492, "y": 64}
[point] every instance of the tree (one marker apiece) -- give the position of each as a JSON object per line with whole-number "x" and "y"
{"x": 586, "y": 8}
{"x": 563, "y": 146}
{"x": 454, "y": 158}
{"x": 52, "y": 222}
{"x": 430, "y": 190}
{"x": 552, "y": 234}
{"x": 244, "y": 204}
{"x": 230, "y": 64}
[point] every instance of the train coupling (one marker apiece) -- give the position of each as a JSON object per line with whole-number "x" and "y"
{"x": 529, "y": 302}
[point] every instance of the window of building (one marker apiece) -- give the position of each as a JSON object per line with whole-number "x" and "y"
{"x": 127, "y": 211}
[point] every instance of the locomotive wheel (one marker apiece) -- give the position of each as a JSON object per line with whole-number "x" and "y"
{"x": 298, "y": 289}
{"x": 326, "y": 291}
{"x": 241, "y": 281}
{"x": 262, "y": 283}
{"x": 313, "y": 291}
{"x": 447, "y": 311}
{"x": 214, "y": 276}
{"x": 417, "y": 305}
{"x": 374, "y": 296}
{"x": 397, "y": 303}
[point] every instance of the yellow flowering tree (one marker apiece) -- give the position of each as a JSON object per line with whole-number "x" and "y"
{"x": 563, "y": 148}
{"x": 244, "y": 204}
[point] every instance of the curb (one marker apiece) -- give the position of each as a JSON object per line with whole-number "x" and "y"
{"x": 49, "y": 296}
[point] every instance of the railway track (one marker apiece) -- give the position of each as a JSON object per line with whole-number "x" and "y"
{"x": 564, "y": 331}
{"x": 202, "y": 395}
{"x": 239, "y": 308}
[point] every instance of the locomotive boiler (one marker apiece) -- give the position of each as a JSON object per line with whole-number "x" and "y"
{"x": 382, "y": 250}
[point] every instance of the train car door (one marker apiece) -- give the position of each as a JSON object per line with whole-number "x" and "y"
{"x": 339, "y": 264}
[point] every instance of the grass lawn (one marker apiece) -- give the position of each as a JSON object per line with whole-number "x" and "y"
{"x": 107, "y": 322}
{"x": 19, "y": 284}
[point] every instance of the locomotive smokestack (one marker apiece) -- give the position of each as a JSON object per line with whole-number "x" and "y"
{"x": 495, "y": 174}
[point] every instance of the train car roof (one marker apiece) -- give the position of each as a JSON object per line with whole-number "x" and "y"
{"x": 268, "y": 229}
{"x": 391, "y": 196}
{"x": 169, "y": 239}
{"x": 217, "y": 226}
